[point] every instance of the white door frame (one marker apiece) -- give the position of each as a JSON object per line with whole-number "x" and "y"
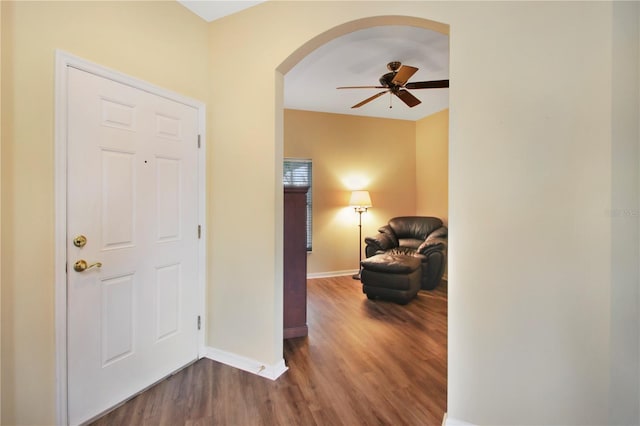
{"x": 65, "y": 60}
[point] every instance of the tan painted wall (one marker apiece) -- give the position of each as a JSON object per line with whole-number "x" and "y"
{"x": 432, "y": 168}
{"x": 160, "y": 42}
{"x": 531, "y": 154}
{"x": 350, "y": 153}
{"x": 0, "y": 211}
{"x": 530, "y": 181}
{"x": 625, "y": 213}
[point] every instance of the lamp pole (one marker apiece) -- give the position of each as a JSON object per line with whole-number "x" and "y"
{"x": 360, "y": 201}
{"x": 360, "y": 210}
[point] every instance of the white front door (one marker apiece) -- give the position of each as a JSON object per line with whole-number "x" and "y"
{"x": 132, "y": 193}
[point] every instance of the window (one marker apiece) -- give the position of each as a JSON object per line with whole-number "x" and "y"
{"x": 298, "y": 172}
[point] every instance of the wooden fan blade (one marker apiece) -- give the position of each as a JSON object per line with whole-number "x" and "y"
{"x": 407, "y": 98}
{"x": 435, "y": 84}
{"x": 366, "y": 101}
{"x": 404, "y": 73}
{"x": 361, "y": 87}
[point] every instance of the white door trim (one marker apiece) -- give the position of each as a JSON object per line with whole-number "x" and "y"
{"x": 65, "y": 60}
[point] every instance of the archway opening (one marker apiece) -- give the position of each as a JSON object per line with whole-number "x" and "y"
{"x": 317, "y": 42}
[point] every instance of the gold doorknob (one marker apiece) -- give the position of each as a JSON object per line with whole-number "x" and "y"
{"x": 82, "y": 265}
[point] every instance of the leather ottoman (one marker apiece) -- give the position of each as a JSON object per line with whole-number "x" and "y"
{"x": 394, "y": 277}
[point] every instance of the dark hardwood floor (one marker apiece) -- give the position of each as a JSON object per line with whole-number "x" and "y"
{"x": 363, "y": 363}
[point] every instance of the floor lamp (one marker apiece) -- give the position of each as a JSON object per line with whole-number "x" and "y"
{"x": 360, "y": 201}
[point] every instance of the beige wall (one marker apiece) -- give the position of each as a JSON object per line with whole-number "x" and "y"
{"x": 625, "y": 216}
{"x": 0, "y": 213}
{"x": 531, "y": 152}
{"x": 530, "y": 182}
{"x": 432, "y": 168}
{"x": 160, "y": 42}
{"x": 350, "y": 153}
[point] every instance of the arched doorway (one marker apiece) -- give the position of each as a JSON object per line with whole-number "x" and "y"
{"x": 332, "y": 34}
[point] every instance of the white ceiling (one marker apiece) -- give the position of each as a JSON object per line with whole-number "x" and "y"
{"x": 210, "y": 10}
{"x": 358, "y": 59}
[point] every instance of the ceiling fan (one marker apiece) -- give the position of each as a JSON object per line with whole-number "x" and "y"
{"x": 395, "y": 82}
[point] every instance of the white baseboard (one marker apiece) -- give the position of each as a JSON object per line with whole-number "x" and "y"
{"x": 448, "y": 421}
{"x": 332, "y": 274}
{"x": 246, "y": 364}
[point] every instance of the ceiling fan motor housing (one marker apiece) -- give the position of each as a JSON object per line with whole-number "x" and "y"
{"x": 386, "y": 80}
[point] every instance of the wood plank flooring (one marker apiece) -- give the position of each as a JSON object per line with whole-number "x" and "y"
{"x": 363, "y": 363}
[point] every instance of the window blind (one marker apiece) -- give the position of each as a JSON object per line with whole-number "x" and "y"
{"x": 297, "y": 172}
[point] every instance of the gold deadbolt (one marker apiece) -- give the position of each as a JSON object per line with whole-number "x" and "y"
{"x": 80, "y": 241}
{"x": 82, "y": 265}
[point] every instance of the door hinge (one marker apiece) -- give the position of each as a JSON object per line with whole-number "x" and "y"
{"x": 199, "y": 322}
{"x": 198, "y": 141}
{"x": 199, "y": 231}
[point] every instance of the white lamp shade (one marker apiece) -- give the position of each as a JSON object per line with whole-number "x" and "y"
{"x": 360, "y": 199}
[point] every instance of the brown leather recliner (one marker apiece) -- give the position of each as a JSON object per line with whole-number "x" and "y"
{"x": 419, "y": 236}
